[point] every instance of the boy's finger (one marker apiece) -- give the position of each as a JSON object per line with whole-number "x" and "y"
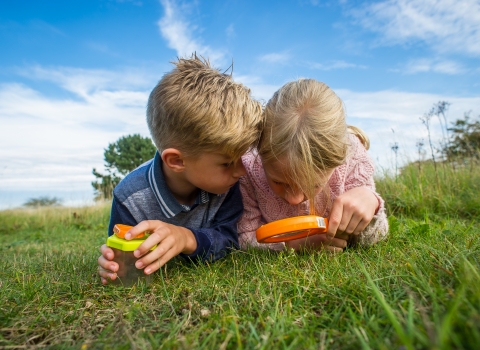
{"x": 157, "y": 264}
{"x": 157, "y": 253}
{"x": 156, "y": 238}
{"x": 107, "y": 252}
{"x": 107, "y": 264}
{"x": 109, "y": 275}
{"x": 143, "y": 226}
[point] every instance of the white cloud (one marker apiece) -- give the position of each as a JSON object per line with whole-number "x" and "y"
{"x": 260, "y": 90}
{"x": 51, "y": 144}
{"x": 230, "y": 31}
{"x": 275, "y": 58}
{"x": 378, "y": 112}
{"x": 334, "y": 65}
{"x": 381, "y": 111}
{"x": 446, "y": 25}
{"x": 179, "y": 33}
{"x": 433, "y": 65}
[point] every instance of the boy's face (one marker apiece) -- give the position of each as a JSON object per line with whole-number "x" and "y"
{"x": 213, "y": 172}
{"x": 280, "y": 183}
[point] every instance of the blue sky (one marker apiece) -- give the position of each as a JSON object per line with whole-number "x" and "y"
{"x": 75, "y": 75}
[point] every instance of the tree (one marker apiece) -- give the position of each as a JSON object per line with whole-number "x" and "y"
{"x": 121, "y": 157}
{"x": 43, "y": 202}
{"x": 465, "y": 139}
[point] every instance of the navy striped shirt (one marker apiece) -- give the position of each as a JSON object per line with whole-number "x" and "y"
{"x": 144, "y": 195}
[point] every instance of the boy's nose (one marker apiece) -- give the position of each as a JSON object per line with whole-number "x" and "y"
{"x": 294, "y": 198}
{"x": 239, "y": 169}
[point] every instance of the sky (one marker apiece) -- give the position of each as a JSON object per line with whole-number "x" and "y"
{"x": 75, "y": 75}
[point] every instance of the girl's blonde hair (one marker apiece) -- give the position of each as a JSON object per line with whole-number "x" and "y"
{"x": 305, "y": 126}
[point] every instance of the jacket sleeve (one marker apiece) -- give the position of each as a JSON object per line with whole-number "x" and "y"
{"x": 119, "y": 214}
{"x": 360, "y": 172}
{"x": 216, "y": 241}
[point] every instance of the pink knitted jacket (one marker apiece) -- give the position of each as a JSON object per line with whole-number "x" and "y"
{"x": 262, "y": 205}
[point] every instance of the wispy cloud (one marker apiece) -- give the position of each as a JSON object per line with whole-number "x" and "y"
{"x": 88, "y": 83}
{"x": 179, "y": 33}
{"x": 426, "y": 65}
{"x": 275, "y": 57}
{"x": 379, "y": 112}
{"x": 52, "y": 144}
{"x": 230, "y": 31}
{"x": 334, "y": 65}
{"x": 446, "y": 25}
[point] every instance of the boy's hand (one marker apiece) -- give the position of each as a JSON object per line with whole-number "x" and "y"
{"x": 106, "y": 267}
{"x": 170, "y": 240}
{"x": 352, "y": 212}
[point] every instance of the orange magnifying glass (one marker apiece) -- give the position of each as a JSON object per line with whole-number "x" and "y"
{"x": 291, "y": 228}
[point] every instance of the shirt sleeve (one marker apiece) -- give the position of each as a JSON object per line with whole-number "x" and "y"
{"x": 119, "y": 214}
{"x": 216, "y": 241}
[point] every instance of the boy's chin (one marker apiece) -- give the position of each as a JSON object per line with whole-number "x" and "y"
{"x": 221, "y": 191}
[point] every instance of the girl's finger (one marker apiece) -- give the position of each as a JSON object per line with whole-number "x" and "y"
{"x": 335, "y": 218}
{"x": 338, "y": 243}
{"x": 360, "y": 227}
{"x": 353, "y": 223}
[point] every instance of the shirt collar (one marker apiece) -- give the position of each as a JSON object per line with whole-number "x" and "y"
{"x": 168, "y": 203}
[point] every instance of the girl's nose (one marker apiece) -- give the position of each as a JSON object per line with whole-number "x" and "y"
{"x": 294, "y": 198}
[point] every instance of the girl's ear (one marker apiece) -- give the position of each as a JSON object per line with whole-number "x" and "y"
{"x": 173, "y": 159}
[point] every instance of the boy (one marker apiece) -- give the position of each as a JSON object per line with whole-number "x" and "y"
{"x": 188, "y": 196}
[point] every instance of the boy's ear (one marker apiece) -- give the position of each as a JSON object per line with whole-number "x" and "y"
{"x": 173, "y": 159}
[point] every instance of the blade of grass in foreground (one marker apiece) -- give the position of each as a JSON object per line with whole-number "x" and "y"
{"x": 404, "y": 338}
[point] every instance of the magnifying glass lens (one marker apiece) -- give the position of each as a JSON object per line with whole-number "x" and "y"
{"x": 291, "y": 228}
{"x": 290, "y": 234}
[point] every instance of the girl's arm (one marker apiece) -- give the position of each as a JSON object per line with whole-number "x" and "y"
{"x": 359, "y": 176}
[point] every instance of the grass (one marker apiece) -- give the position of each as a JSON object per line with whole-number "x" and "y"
{"x": 446, "y": 190}
{"x": 420, "y": 289}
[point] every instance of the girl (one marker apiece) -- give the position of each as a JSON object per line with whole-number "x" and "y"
{"x": 308, "y": 161}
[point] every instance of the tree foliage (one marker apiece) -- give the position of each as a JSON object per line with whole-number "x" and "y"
{"x": 121, "y": 157}
{"x": 44, "y": 201}
{"x": 465, "y": 139}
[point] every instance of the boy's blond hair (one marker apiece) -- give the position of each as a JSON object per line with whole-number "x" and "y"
{"x": 305, "y": 126}
{"x": 196, "y": 108}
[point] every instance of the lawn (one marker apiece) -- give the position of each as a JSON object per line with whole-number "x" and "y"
{"x": 420, "y": 289}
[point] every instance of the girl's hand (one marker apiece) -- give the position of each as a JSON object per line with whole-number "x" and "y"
{"x": 170, "y": 240}
{"x": 318, "y": 242}
{"x": 352, "y": 211}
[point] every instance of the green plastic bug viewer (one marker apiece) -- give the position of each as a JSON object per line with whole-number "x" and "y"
{"x": 127, "y": 275}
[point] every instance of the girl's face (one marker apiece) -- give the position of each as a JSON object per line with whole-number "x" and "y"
{"x": 280, "y": 183}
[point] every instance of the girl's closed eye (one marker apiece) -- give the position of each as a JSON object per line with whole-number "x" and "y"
{"x": 228, "y": 165}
